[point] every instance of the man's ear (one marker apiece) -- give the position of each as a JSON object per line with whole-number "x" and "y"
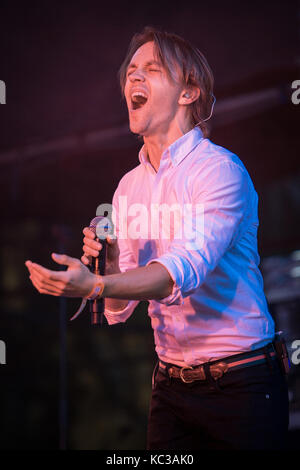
{"x": 189, "y": 95}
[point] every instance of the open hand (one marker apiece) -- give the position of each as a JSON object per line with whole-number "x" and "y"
{"x": 77, "y": 281}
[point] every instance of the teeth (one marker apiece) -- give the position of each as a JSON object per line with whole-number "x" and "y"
{"x": 139, "y": 93}
{"x": 138, "y": 99}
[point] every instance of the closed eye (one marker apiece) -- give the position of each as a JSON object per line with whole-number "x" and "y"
{"x": 150, "y": 66}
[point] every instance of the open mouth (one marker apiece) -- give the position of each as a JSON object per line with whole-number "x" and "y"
{"x": 138, "y": 100}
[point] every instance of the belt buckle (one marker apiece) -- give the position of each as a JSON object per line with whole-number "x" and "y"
{"x": 181, "y": 374}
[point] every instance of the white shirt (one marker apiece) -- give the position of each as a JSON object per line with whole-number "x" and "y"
{"x": 217, "y": 307}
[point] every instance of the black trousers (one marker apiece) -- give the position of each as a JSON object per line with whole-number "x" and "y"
{"x": 246, "y": 409}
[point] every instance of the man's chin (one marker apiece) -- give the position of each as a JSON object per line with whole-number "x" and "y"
{"x": 137, "y": 129}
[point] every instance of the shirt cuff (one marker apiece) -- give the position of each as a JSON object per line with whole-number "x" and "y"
{"x": 120, "y": 316}
{"x": 175, "y": 298}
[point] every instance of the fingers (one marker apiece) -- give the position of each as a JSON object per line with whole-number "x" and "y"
{"x": 42, "y": 280}
{"x": 86, "y": 259}
{"x": 43, "y": 289}
{"x": 65, "y": 260}
{"x": 88, "y": 233}
{"x": 45, "y": 273}
{"x": 91, "y": 247}
{"x": 45, "y": 280}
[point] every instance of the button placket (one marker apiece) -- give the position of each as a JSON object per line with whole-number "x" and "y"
{"x": 156, "y": 197}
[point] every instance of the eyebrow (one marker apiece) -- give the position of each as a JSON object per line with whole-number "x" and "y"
{"x": 147, "y": 64}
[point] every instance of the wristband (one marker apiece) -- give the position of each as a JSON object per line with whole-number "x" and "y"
{"x": 94, "y": 294}
{"x": 97, "y": 290}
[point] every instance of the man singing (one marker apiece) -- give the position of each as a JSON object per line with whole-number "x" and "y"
{"x": 217, "y": 384}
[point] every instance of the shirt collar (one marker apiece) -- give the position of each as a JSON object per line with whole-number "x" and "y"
{"x": 179, "y": 149}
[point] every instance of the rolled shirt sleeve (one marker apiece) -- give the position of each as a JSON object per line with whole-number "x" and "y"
{"x": 120, "y": 316}
{"x": 219, "y": 210}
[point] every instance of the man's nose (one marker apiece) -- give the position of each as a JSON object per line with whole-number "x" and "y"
{"x": 137, "y": 75}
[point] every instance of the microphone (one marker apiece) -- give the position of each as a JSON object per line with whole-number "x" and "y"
{"x": 100, "y": 226}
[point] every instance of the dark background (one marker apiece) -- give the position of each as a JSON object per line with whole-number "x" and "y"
{"x": 64, "y": 145}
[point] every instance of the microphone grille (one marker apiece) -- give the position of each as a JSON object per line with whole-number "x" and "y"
{"x": 95, "y": 220}
{"x": 103, "y": 227}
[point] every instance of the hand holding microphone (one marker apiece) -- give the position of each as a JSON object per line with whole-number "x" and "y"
{"x": 101, "y": 252}
{"x": 92, "y": 249}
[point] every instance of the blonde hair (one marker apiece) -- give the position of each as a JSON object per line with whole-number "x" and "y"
{"x": 173, "y": 50}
